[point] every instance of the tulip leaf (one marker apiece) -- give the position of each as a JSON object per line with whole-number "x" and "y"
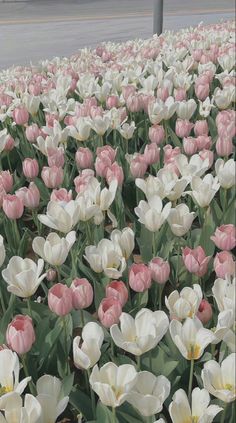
{"x": 161, "y": 363}
{"x": 174, "y": 138}
{"x": 229, "y": 216}
{"x": 207, "y": 231}
{"x": 6, "y": 318}
{"x": 67, "y": 384}
{"x": 145, "y": 244}
{"x": 104, "y": 415}
{"x": 82, "y": 403}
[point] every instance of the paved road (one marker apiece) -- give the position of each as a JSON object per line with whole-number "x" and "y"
{"x": 37, "y": 29}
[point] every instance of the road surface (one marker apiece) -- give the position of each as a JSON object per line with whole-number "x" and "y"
{"x": 31, "y": 30}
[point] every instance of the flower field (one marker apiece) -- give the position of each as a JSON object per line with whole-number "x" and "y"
{"x": 117, "y": 233}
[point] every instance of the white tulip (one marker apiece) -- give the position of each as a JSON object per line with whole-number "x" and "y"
{"x": 225, "y": 322}
{"x": 141, "y": 334}
{"x": 151, "y": 186}
{"x": 81, "y": 130}
{"x": 224, "y": 291}
{"x": 125, "y": 239}
{"x": 152, "y": 214}
{"x": 186, "y": 108}
{"x": 226, "y": 172}
{"x": 173, "y": 186}
{"x": 226, "y": 61}
{"x": 219, "y": 380}
{"x": 54, "y": 250}
{"x": 160, "y": 110}
{"x": 223, "y": 98}
{"x": 9, "y": 376}
{"x": 191, "y": 338}
{"x": 127, "y": 130}
{"x": 50, "y": 397}
{"x": 31, "y": 103}
{"x": 200, "y": 410}
{"x": 61, "y": 216}
{"x": 45, "y": 145}
{"x": 194, "y": 167}
{"x": 206, "y": 106}
{"x": 204, "y": 190}
{"x": 184, "y": 304}
{"x": 15, "y": 412}
{"x": 100, "y": 124}
{"x": 3, "y": 139}
{"x": 57, "y": 131}
{"x": 88, "y": 354}
{"x": 149, "y": 393}
{"x": 113, "y": 383}
{"x": 2, "y": 251}
{"x": 23, "y": 276}
{"x": 180, "y": 219}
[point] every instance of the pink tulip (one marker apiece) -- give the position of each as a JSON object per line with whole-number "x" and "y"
{"x": 127, "y": 91}
{"x": 32, "y": 132}
{"x": 195, "y": 260}
{"x": 60, "y": 299}
{"x": 20, "y": 115}
{"x": 56, "y": 157}
{"x": 224, "y": 146}
{"x": 109, "y": 311}
{"x": 102, "y": 164}
{"x": 138, "y": 166}
{"x": 82, "y": 293}
{"x": 202, "y": 90}
{"x": 151, "y": 154}
{"x": 6, "y": 180}
{"x": 2, "y": 195}
{"x": 117, "y": 289}
{"x": 183, "y": 127}
{"x": 203, "y": 142}
{"x": 224, "y": 264}
{"x": 106, "y": 152}
{"x": 84, "y": 158}
{"x": 115, "y": 172}
{"x": 225, "y": 122}
{"x": 81, "y": 182}
{"x": 112, "y": 101}
{"x": 10, "y": 144}
{"x": 30, "y": 196}
{"x": 51, "y": 275}
{"x": 201, "y": 128}
{"x": 12, "y": 206}
{"x": 156, "y": 134}
{"x": 134, "y": 103}
{"x": 207, "y": 154}
{"x": 61, "y": 194}
{"x": 170, "y": 153}
{"x": 52, "y": 176}
{"x": 225, "y": 237}
{"x": 180, "y": 94}
{"x": 204, "y": 312}
{"x": 30, "y": 168}
{"x": 160, "y": 270}
{"x": 20, "y": 334}
{"x": 140, "y": 277}
{"x": 190, "y": 146}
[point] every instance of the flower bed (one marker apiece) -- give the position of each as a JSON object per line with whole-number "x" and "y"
{"x": 117, "y": 228}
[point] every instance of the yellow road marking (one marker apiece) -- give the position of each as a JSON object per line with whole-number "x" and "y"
{"x": 107, "y": 17}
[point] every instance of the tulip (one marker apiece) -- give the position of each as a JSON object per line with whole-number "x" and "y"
{"x": 199, "y": 411}
{"x": 160, "y": 270}
{"x": 183, "y": 128}
{"x": 196, "y": 260}
{"x": 20, "y": 115}
{"x": 81, "y": 130}
{"x": 109, "y": 311}
{"x": 9, "y": 376}
{"x": 82, "y": 293}
{"x": 6, "y": 180}
{"x": 219, "y": 379}
{"x": 88, "y": 354}
{"x": 113, "y": 383}
{"x": 30, "y": 196}
{"x": 186, "y": 108}
{"x": 2, "y": 251}
{"x": 156, "y": 134}
{"x": 225, "y": 237}
{"x": 149, "y": 393}
{"x": 127, "y": 130}
{"x": 141, "y": 334}
{"x": 61, "y": 195}
{"x": 184, "y": 304}
{"x": 152, "y": 214}
{"x": 190, "y": 337}
{"x": 23, "y": 276}
{"x": 12, "y": 206}
{"x": 52, "y": 176}
{"x": 138, "y": 166}
{"x": 84, "y": 158}
{"x": 30, "y": 168}
{"x": 180, "y": 219}
{"x": 115, "y": 172}
{"x": 20, "y": 334}
{"x": 190, "y": 146}
{"x": 151, "y": 154}
{"x": 224, "y": 293}
{"x": 60, "y": 216}
{"x": 224, "y": 264}
{"x": 117, "y": 289}
{"x": 224, "y": 146}
{"x": 201, "y": 128}
{"x": 31, "y": 412}
{"x": 55, "y": 158}
{"x": 139, "y": 277}
{"x": 32, "y": 132}
{"x": 194, "y": 167}
{"x": 60, "y": 299}
{"x": 54, "y": 250}
{"x": 225, "y": 172}
{"x": 204, "y": 312}
{"x": 203, "y": 142}
{"x": 50, "y": 396}
{"x": 125, "y": 240}
{"x": 204, "y": 190}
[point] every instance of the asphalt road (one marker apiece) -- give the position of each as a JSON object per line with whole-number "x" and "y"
{"x": 39, "y": 29}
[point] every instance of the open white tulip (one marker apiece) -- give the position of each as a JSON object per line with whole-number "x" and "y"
{"x": 186, "y": 108}
{"x": 9, "y": 376}
{"x": 194, "y": 167}
{"x": 200, "y": 410}
{"x": 50, "y": 397}
{"x": 149, "y": 393}
{"x": 2, "y": 251}
{"x": 224, "y": 291}
{"x": 113, "y": 383}
{"x": 180, "y": 219}
{"x": 184, "y": 304}
{"x": 226, "y": 172}
{"x": 224, "y": 323}
{"x": 81, "y": 130}
{"x": 54, "y": 249}
{"x": 61, "y": 216}
{"x": 125, "y": 239}
{"x": 88, "y": 354}
{"x": 15, "y": 412}
{"x": 23, "y": 276}
{"x": 141, "y": 334}
{"x": 152, "y": 214}
{"x": 219, "y": 380}
{"x": 204, "y": 190}
{"x": 191, "y": 338}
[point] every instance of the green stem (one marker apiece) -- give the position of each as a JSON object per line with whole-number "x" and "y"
{"x": 177, "y": 266}
{"x": 112, "y": 348}
{"x": 138, "y": 361}
{"x": 29, "y": 308}
{"x": 154, "y": 244}
{"x": 2, "y": 302}
{"x": 66, "y": 349}
{"x": 190, "y": 380}
{"x": 160, "y": 295}
{"x": 31, "y": 384}
{"x": 82, "y": 317}
{"x": 16, "y": 233}
{"x": 92, "y": 395}
{"x": 114, "y": 415}
{"x": 58, "y": 274}
{"x": 223, "y": 415}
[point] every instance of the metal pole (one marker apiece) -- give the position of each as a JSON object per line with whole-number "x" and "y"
{"x": 157, "y": 16}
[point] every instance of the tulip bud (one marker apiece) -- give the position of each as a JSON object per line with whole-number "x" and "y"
{"x": 151, "y": 154}
{"x": 32, "y": 132}
{"x": 84, "y": 158}
{"x": 12, "y": 206}
{"x": 60, "y": 299}
{"x": 61, "y": 195}
{"x": 51, "y": 275}
{"x": 20, "y": 115}
{"x": 201, "y": 128}
{"x": 56, "y": 157}
{"x": 20, "y": 334}
{"x": 224, "y": 264}
{"x": 30, "y": 168}
{"x": 196, "y": 260}
{"x": 225, "y": 237}
{"x": 109, "y": 311}
{"x": 204, "y": 312}
{"x": 30, "y": 196}
{"x": 156, "y": 134}
{"x": 138, "y": 167}
{"x": 140, "y": 277}
{"x": 6, "y": 180}
{"x": 183, "y": 128}
{"x": 224, "y": 146}
{"x": 115, "y": 172}
{"x": 160, "y": 270}
{"x": 190, "y": 146}
{"x": 52, "y": 176}
{"x": 117, "y": 289}
{"x": 82, "y": 293}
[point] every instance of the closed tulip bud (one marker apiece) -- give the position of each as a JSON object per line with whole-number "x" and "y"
{"x": 160, "y": 270}
{"x": 84, "y": 158}
{"x": 115, "y": 172}
{"x": 20, "y": 115}
{"x": 56, "y": 157}
{"x": 224, "y": 146}
{"x": 106, "y": 151}
{"x": 6, "y": 180}
{"x": 30, "y": 168}
{"x": 61, "y": 195}
{"x": 117, "y": 289}
{"x": 82, "y": 293}
{"x": 190, "y": 146}
{"x": 183, "y": 128}
{"x": 112, "y": 101}
{"x": 224, "y": 264}
{"x": 225, "y": 172}
{"x": 127, "y": 91}
{"x": 204, "y": 312}
{"x": 134, "y": 103}
{"x": 12, "y": 206}
{"x": 51, "y": 275}
{"x": 20, "y": 334}
{"x": 180, "y": 219}
{"x": 52, "y": 176}
{"x": 170, "y": 153}
{"x": 151, "y": 154}
{"x": 201, "y": 128}
{"x": 138, "y": 167}
{"x": 102, "y": 164}
{"x": 30, "y": 196}
{"x": 109, "y": 311}
{"x": 140, "y": 277}
{"x": 32, "y": 132}
{"x": 202, "y": 90}
{"x": 225, "y": 237}
{"x": 180, "y": 94}
{"x": 60, "y": 299}
{"x": 156, "y": 134}
{"x": 10, "y": 144}
{"x": 196, "y": 260}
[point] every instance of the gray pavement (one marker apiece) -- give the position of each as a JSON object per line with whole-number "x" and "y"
{"x": 38, "y": 29}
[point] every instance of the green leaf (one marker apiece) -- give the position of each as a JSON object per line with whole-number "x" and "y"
{"x": 229, "y": 216}
{"x": 207, "y": 231}
{"x": 145, "y": 244}
{"x": 161, "y": 363}
{"x": 6, "y": 318}
{"x": 104, "y": 415}
{"x": 174, "y": 138}
{"x": 82, "y": 403}
{"x": 67, "y": 384}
